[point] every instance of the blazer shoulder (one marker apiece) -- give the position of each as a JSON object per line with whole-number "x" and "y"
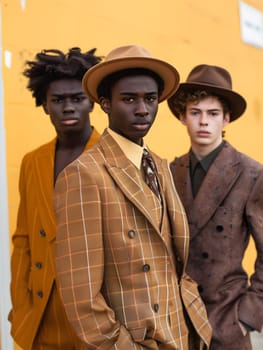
{"x": 91, "y": 161}
{"x": 250, "y": 162}
{"x": 38, "y": 156}
{"x": 180, "y": 161}
{"x": 44, "y": 149}
{"x": 158, "y": 159}
{"x": 246, "y": 161}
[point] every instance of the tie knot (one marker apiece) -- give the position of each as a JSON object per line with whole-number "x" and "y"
{"x": 150, "y": 173}
{"x": 147, "y": 158}
{"x": 145, "y": 152}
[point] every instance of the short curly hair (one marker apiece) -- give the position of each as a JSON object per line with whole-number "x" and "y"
{"x": 180, "y": 103}
{"x": 52, "y": 65}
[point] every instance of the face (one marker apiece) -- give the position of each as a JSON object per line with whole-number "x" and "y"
{"x": 205, "y": 121}
{"x": 68, "y": 106}
{"x": 133, "y": 106}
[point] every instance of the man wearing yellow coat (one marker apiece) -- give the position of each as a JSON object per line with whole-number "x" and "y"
{"x": 38, "y": 319}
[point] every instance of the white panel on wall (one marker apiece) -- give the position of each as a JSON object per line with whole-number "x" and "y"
{"x": 251, "y": 25}
{"x": 6, "y": 340}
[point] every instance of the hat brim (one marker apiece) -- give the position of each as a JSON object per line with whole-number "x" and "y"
{"x": 97, "y": 73}
{"x": 236, "y": 102}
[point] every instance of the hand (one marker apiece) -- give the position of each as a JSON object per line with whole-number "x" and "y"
{"x": 245, "y": 328}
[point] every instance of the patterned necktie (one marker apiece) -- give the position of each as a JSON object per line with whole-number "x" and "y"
{"x": 149, "y": 169}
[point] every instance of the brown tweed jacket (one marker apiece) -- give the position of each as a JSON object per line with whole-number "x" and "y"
{"x": 115, "y": 260}
{"x": 225, "y": 213}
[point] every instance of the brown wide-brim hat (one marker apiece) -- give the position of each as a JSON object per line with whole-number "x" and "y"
{"x": 215, "y": 80}
{"x": 129, "y": 57}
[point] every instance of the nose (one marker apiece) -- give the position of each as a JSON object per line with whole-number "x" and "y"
{"x": 203, "y": 121}
{"x": 68, "y": 106}
{"x": 141, "y": 108}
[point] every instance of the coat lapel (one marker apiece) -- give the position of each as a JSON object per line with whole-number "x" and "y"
{"x": 44, "y": 177}
{"x": 177, "y": 217}
{"x": 126, "y": 176}
{"x": 182, "y": 181}
{"x": 44, "y": 171}
{"x": 220, "y": 178}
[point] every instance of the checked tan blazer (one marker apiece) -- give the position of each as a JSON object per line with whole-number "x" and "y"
{"x": 115, "y": 253}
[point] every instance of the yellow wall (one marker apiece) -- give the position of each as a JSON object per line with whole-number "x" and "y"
{"x": 185, "y": 33}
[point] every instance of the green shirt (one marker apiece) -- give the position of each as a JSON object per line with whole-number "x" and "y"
{"x": 199, "y": 168}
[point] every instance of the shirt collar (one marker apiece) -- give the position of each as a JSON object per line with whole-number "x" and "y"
{"x": 207, "y": 160}
{"x": 131, "y": 150}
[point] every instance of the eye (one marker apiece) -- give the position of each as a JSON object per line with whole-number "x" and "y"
{"x": 78, "y": 99}
{"x": 128, "y": 99}
{"x": 57, "y": 100}
{"x": 194, "y": 112}
{"x": 214, "y": 113}
{"x": 152, "y": 98}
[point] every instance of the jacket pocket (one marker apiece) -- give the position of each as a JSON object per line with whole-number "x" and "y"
{"x": 138, "y": 334}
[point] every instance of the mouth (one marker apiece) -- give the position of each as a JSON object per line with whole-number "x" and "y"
{"x": 203, "y": 133}
{"x": 141, "y": 126}
{"x": 69, "y": 121}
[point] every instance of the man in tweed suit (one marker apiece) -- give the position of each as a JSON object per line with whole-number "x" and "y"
{"x": 37, "y": 317}
{"x": 121, "y": 252}
{"x": 221, "y": 190}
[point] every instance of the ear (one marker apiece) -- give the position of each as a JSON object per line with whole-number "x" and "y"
{"x": 44, "y": 105}
{"x": 226, "y": 119}
{"x": 182, "y": 119}
{"x": 91, "y": 105}
{"x": 105, "y": 105}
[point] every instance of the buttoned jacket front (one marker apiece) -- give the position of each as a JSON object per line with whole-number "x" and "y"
{"x": 225, "y": 212}
{"x": 33, "y": 260}
{"x": 115, "y": 262}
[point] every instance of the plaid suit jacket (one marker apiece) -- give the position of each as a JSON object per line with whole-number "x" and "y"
{"x": 115, "y": 262}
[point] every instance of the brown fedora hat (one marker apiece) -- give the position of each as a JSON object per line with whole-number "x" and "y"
{"x": 126, "y": 57}
{"x": 215, "y": 80}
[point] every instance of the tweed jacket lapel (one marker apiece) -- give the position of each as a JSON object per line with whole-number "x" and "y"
{"x": 220, "y": 178}
{"x": 182, "y": 181}
{"x": 126, "y": 176}
{"x": 177, "y": 217}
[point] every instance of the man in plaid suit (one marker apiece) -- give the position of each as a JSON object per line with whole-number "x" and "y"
{"x": 120, "y": 251}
